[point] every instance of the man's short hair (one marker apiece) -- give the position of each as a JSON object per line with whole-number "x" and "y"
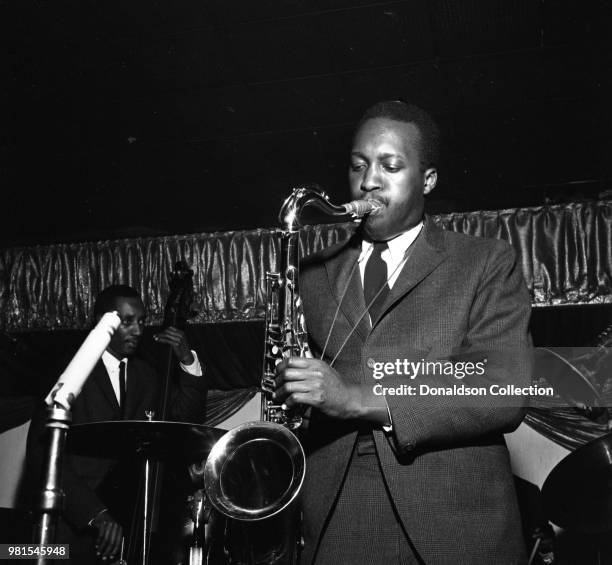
{"x": 107, "y": 299}
{"x": 409, "y": 113}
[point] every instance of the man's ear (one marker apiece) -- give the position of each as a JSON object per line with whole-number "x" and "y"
{"x": 431, "y": 178}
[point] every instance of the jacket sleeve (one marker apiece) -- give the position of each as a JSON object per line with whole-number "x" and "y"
{"x": 497, "y": 334}
{"x": 188, "y": 400}
{"x": 82, "y": 503}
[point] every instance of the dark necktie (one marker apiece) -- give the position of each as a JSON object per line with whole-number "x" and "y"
{"x": 122, "y": 389}
{"x": 375, "y": 279}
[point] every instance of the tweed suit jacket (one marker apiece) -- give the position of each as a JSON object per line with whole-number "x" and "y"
{"x": 445, "y": 463}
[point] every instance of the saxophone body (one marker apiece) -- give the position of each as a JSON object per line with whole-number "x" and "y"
{"x": 255, "y": 471}
{"x": 285, "y": 327}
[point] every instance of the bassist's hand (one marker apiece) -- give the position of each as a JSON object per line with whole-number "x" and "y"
{"x": 109, "y": 535}
{"x": 178, "y": 341}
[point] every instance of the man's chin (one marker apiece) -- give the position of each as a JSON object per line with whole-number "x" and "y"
{"x": 374, "y": 229}
{"x": 130, "y": 349}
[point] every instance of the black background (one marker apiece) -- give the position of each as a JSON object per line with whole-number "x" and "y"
{"x": 153, "y": 116}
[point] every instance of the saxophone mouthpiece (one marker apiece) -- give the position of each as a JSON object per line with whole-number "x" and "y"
{"x": 360, "y": 208}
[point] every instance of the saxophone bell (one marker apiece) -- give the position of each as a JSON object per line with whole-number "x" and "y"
{"x": 254, "y": 471}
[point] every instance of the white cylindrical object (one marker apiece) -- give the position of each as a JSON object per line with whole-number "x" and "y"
{"x": 73, "y": 378}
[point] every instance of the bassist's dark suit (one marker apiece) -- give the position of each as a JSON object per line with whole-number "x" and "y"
{"x": 93, "y": 483}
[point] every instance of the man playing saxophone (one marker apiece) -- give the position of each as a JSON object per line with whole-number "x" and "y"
{"x": 399, "y": 477}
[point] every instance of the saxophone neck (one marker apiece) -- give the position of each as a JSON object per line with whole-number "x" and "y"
{"x": 290, "y": 216}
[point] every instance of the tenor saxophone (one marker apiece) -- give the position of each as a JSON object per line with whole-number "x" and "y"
{"x": 285, "y": 328}
{"x": 256, "y": 470}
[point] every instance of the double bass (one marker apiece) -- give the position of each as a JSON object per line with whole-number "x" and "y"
{"x": 145, "y": 523}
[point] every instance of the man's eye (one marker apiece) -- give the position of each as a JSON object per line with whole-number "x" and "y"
{"x": 357, "y": 166}
{"x": 392, "y": 168}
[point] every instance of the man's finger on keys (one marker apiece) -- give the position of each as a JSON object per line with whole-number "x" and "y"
{"x": 297, "y": 398}
{"x": 299, "y": 362}
{"x": 297, "y": 374}
{"x": 290, "y": 388}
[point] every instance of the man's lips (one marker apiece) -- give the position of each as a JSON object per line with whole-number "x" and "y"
{"x": 380, "y": 207}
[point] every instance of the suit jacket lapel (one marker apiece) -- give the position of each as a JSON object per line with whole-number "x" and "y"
{"x": 427, "y": 253}
{"x": 100, "y": 376}
{"x": 339, "y": 270}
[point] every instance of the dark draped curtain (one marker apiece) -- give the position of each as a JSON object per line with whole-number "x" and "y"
{"x": 565, "y": 252}
{"x": 221, "y": 404}
{"x": 567, "y": 427}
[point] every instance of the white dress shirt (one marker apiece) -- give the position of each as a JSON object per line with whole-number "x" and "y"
{"x": 395, "y": 256}
{"x": 112, "y": 367}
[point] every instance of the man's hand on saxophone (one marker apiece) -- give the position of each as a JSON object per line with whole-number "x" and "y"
{"x": 313, "y": 382}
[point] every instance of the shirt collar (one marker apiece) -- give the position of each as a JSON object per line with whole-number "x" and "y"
{"x": 111, "y": 362}
{"x": 397, "y": 246}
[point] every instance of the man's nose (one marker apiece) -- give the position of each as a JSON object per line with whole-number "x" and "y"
{"x": 137, "y": 329}
{"x": 370, "y": 180}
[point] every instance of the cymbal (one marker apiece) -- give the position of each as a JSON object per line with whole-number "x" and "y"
{"x": 159, "y": 440}
{"x": 566, "y": 379}
{"x": 578, "y": 491}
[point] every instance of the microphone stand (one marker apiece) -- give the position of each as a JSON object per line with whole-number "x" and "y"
{"x": 59, "y": 416}
{"x": 52, "y": 495}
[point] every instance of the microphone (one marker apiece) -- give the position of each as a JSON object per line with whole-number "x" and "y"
{"x": 360, "y": 208}
{"x": 74, "y": 376}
